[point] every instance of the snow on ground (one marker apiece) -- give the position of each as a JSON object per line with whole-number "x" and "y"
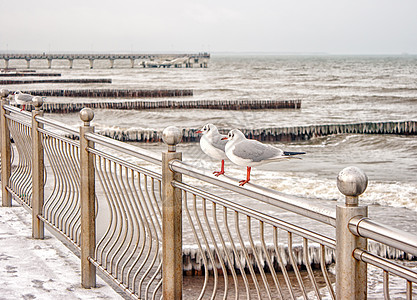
{"x": 39, "y": 269}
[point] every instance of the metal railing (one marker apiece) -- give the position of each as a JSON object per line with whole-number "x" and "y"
{"x": 162, "y": 228}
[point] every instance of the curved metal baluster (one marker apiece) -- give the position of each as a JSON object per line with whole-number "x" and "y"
{"x": 24, "y": 183}
{"x": 153, "y": 217}
{"x": 152, "y": 279}
{"x": 245, "y": 252}
{"x": 208, "y": 250}
{"x": 295, "y": 267}
{"x": 282, "y": 265}
{"x": 158, "y": 286}
{"x": 146, "y": 230}
{"x": 309, "y": 269}
{"x": 257, "y": 259}
{"x": 120, "y": 213}
{"x": 50, "y": 203}
{"x": 73, "y": 206}
{"x": 156, "y": 205}
{"x": 324, "y": 271}
{"x": 126, "y": 217}
{"x": 20, "y": 180}
{"x": 27, "y": 144}
{"x": 60, "y": 178}
{"x": 237, "y": 257}
{"x": 101, "y": 170}
{"x": 213, "y": 240}
{"x": 67, "y": 199}
{"x": 75, "y": 215}
{"x": 108, "y": 246}
{"x": 229, "y": 261}
{"x": 151, "y": 238}
{"x": 196, "y": 237}
{"x": 268, "y": 259}
{"x": 63, "y": 200}
{"x": 138, "y": 223}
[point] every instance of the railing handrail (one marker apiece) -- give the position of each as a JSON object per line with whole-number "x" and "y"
{"x": 390, "y": 236}
{"x": 59, "y": 125}
{"x": 298, "y": 205}
{"x": 385, "y": 264}
{"x": 125, "y": 148}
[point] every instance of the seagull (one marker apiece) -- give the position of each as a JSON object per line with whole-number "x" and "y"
{"x": 249, "y": 153}
{"x": 22, "y": 98}
{"x": 213, "y": 144}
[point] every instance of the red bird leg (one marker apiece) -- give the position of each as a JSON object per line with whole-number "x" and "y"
{"x": 243, "y": 182}
{"x": 221, "y": 171}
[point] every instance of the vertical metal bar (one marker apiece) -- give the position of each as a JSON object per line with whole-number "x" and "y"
{"x": 386, "y": 285}
{"x": 282, "y": 265}
{"x": 351, "y": 274}
{"x": 268, "y": 259}
{"x": 5, "y": 152}
{"x": 171, "y": 220}
{"x": 295, "y": 266}
{"x": 257, "y": 259}
{"x": 309, "y": 269}
{"x": 88, "y": 228}
{"x": 37, "y": 171}
{"x": 409, "y": 294}
{"x": 324, "y": 271}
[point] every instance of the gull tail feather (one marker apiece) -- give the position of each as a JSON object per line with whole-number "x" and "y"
{"x": 286, "y": 153}
{"x": 293, "y": 154}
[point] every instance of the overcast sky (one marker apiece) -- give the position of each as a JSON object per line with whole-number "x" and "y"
{"x": 300, "y": 26}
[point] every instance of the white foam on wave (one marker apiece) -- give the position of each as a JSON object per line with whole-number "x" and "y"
{"x": 393, "y": 194}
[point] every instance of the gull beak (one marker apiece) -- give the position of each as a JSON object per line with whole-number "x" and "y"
{"x": 198, "y": 131}
{"x": 225, "y": 138}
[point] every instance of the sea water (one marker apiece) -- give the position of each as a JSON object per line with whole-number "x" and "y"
{"x": 333, "y": 90}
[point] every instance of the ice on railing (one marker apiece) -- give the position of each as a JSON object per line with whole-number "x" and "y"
{"x": 389, "y": 252}
{"x": 193, "y": 258}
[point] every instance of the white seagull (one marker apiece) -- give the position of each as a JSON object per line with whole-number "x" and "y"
{"x": 250, "y": 153}
{"x": 22, "y": 98}
{"x": 213, "y": 145}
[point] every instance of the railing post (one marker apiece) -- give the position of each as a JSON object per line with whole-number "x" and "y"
{"x": 88, "y": 216}
{"x": 37, "y": 171}
{"x": 171, "y": 219}
{"x": 5, "y": 151}
{"x": 351, "y": 274}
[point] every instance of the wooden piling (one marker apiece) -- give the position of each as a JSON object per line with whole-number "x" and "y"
{"x": 83, "y": 80}
{"x": 171, "y": 104}
{"x": 279, "y": 134}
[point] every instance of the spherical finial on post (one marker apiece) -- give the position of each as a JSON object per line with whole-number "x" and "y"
{"x": 86, "y": 115}
{"x": 37, "y": 102}
{"x": 352, "y": 182}
{"x": 172, "y": 136}
{"x": 4, "y": 93}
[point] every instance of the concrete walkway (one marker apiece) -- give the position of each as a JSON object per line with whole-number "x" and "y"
{"x": 39, "y": 269}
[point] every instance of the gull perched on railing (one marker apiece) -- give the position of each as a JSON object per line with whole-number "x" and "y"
{"x": 22, "y": 99}
{"x": 249, "y": 153}
{"x": 213, "y": 145}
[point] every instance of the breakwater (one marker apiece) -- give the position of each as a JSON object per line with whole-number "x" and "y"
{"x": 110, "y": 93}
{"x": 31, "y": 74}
{"x": 276, "y": 134}
{"x": 84, "y": 80}
{"x": 192, "y": 104}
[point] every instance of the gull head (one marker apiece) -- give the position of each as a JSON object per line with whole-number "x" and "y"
{"x": 207, "y": 128}
{"x": 235, "y": 135}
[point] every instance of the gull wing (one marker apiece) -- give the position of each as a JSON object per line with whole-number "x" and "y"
{"x": 256, "y": 151}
